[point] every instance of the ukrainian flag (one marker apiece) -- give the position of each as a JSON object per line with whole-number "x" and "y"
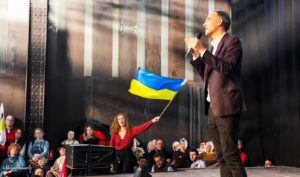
{"x": 149, "y": 85}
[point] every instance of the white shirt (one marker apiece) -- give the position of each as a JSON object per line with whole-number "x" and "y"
{"x": 214, "y": 44}
{"x": 198, "y": 164}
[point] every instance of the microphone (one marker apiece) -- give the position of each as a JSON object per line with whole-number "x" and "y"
{"x": 189, "y": 52}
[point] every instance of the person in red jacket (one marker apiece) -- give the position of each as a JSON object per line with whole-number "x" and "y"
{"x": 243, "y": 154}
{"x": 10, "y": 136}
{"x": 122, "y": 135}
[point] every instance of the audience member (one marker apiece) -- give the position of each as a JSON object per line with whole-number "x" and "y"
{"x": 180, "y": 157}
{"x": 137, "y": 151}
{"x": 268, "y": 163}
{"x": 71, "y": 139}
{"x": 175, "y": 146}
{"x": 56, "y": 169}
{"x": 160, "y": 164}
{"x": 201, "y": 148}
{"x": 20, "y": 140}
{"x": 150, "y": 152}
{"x": 14, "y": 164}
{"x": 89, "y": 136}
{"x": 38, "y": 172}
{"x": 43, "y": 164}
{"x": 38, "y": 147}
{"x": 143, "y": 164}
{"x": 159, "y": 147}
{"x": 209, "y": 156}
{"x": 195, "y": 162}
{"x": 243, "y": 155}
{"x": 10, "y": 136}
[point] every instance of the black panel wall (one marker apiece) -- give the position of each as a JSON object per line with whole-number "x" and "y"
{"x": 269, "y": 30}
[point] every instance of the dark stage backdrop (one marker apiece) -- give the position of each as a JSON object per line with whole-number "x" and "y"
{"x": 95, "y": 46}
{"x": 269, "y": 30}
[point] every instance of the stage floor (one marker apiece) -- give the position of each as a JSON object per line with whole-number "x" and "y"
{"x": 280, "y": 171}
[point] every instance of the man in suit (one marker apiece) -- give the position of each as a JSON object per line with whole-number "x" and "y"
{"x": 220, "y": 69}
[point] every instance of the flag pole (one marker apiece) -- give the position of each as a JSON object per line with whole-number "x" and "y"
{"x": 170, "y": 102}
{"x": 166, "y": 108}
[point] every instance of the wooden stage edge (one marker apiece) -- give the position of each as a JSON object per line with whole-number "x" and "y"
{"x": 278, "y": 171}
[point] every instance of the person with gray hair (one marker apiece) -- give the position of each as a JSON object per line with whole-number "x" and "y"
{"x": 38, "y": 147}
{"x": 220, "y": 68}
{"x": 71, "y": 139}
{"x": 180, "y": 157}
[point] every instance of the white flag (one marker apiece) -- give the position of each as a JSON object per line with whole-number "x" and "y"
{"x": 2, "y": 126}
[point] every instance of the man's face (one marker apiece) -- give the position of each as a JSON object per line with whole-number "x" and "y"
{"x": 212, "y": 23}
{"x": 159, "y": 161}
{"x": 38, "y": 134}
{"x": 159, "y": 145}
{"x": 193, "y": 156}
{"x": 143, "y": 163}
{"x": 9, "y": 121}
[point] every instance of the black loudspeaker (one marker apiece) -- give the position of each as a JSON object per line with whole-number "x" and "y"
{"x": 89, "y": 157}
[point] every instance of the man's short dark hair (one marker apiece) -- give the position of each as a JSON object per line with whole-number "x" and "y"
{"x": 226, "y": 19}
{"x": 193, "y": 150}
{"x": 143, "y": 157}
{"x": 158, "y": 154}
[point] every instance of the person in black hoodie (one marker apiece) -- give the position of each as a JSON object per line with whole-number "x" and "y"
{"x": 181, "y": 156}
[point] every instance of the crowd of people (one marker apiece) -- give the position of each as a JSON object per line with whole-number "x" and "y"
{"x": 21, "y": 158}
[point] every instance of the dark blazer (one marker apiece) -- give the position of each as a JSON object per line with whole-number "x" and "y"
{"x": 221, "y": 73}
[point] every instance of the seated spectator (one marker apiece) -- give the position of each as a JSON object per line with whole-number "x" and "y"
{"x": 268, "y": 163}
{"x": 201, "y": 148}
{"x": 159, "y": 147}
{"x": 175, "y": 146}
{"x": 143, "y": 164}
{"x": 180, "y": 157}
{"x": 195, "y": 162}
{"x": 38, "y": 162}
{"x": 43, "y": 164}
{"x": 243, "y": 155}
{"x": 160, "y": 164}
{"x": 142, "y": 170}
{"x": 38, "y": 172}
{"x": 71, "y": 139}
{"x": 14, "y": 164}
{"x": 209, "y": 156}
{"x": 10, "y": 136}
{"x": 137, "y": 151}
{"x": 89, "y": 136}
{"x": 38, "y": 147}
{"x": 56, "y": 169}
{"x": 20, "y": 140}
{"x": 150, "y": 153}
{"x": 103, "y": 140}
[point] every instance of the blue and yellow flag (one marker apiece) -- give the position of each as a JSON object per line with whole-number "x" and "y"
{"x": 149, "y": 85}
